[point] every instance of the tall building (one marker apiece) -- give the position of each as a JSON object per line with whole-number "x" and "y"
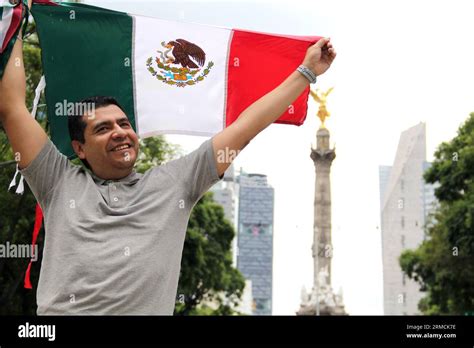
{"x": 255, "y": 238}
{"x": 384, "y": 175}
{"x": 406, "y": 202}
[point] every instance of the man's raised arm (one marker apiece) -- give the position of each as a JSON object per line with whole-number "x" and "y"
{"x": 26, "y": 136}
{"x": 269, "y": 108}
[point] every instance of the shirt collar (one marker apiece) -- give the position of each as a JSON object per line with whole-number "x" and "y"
{"x": 130, "y": 179}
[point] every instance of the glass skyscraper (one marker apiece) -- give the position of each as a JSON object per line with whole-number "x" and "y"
{"x": 255, "y": 238}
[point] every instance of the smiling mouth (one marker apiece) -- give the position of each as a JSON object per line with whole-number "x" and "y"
{"x": 121, "y": 148}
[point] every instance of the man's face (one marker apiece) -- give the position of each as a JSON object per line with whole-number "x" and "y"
{"x": 111, "y": 144}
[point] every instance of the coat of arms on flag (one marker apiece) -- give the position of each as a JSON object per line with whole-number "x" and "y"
{"x": 187, "y": 59}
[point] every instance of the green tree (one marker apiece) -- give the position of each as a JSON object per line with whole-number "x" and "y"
{"x": 17, "y": 212}
{"x": 444, "y": 263}
{"x": 153, "y": 152}
{"x": 207, "y": 275}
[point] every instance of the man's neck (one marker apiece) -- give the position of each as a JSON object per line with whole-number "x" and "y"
{"x": 117, "y": 175}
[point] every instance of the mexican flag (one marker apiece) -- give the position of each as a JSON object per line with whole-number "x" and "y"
{"x": 170, "y": 77}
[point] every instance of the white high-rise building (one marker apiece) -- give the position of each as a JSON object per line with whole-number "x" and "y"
{"x": 406, "y": 202}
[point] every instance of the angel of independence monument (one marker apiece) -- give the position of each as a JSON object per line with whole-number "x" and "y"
{"x": 322, "y": 300}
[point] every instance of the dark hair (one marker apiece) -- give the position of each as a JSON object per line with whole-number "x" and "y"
{"x": 76, "y": 124}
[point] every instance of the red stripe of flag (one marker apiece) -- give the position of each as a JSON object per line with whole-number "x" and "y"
{"x": 252, "y": 73}
{"x": 36, "y": 229}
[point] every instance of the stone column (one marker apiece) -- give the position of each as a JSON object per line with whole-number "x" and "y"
{"x": 322, "y": 157}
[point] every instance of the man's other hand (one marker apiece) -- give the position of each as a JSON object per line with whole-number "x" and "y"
{"x": 320, "y": 56}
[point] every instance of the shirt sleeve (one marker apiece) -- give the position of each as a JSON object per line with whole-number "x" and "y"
{"x": 198, "y": 170}
{"x": 43, "y": 173}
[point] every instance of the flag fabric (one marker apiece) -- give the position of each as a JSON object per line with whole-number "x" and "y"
{"x": 170, "y": 77}
{"x": 12, "y": 13}
{"x": 36, "y": 230}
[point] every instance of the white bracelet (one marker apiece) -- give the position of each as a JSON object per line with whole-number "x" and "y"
{"x": 307, "y": 73}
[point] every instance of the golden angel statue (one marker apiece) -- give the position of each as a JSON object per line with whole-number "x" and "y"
{"x": 320, "y": 98}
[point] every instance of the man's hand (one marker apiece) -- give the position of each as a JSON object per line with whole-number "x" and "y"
{"x": 13, "y": 82}
{"x": 320, "y": 56}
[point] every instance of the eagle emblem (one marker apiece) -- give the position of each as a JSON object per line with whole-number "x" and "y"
{"x": 180, "y": 64}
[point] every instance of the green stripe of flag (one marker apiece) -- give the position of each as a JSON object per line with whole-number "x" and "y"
{"x": 103, "y": 39}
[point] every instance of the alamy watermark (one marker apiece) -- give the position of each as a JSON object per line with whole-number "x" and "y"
{"x": 26, "y": 251}
{"x": 227, "y": 155}
{"x": 66, "y": 108}
{"x": 37, "y": 331}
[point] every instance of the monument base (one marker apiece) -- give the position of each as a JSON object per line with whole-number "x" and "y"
{"x": 323, "y": 310}
{"x": 329, "y": 303}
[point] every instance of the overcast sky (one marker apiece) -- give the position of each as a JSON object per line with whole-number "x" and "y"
{"x": 399, "y": 63}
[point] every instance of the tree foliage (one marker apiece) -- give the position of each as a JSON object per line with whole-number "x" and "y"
{"x": 153, "y": 152}
{"x": 16, "y": 225}
{"x": 444, "y": 263}
{"x": 17, "y": 212}
{"x": 207, "y": 275}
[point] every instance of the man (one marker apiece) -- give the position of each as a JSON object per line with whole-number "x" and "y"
{"x": 114, "y": 237}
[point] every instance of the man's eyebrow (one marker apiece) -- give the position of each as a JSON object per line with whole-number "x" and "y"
{"x": 106, "y": 123}
{"x": 100, "y": 124}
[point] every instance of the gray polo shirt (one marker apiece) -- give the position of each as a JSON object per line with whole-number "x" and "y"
{"x": 114, "y": 246}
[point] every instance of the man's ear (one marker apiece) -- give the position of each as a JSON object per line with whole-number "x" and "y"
{"x": 78, "y": 149}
